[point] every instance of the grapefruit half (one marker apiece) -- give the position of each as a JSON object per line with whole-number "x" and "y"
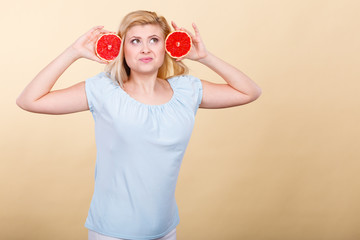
{"x": 178, "y": 44}
{"x": 107, "y": 46}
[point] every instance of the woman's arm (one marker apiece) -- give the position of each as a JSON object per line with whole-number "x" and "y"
{"x": 38, "y": 97}
{"x": 239, "y": 90}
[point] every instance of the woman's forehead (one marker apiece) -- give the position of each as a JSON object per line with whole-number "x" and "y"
{"x": 144, "y": 31}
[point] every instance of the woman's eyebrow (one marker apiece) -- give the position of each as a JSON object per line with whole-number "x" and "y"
{"x": 154, "y": 35}
{"x": 134, "y": 37}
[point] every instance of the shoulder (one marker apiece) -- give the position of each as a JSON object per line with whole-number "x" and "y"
{"x": 101, "y": 82}
{"x": 184, "y": 77}
{"x": 99, "y": 79}
{"x": 188, "y": 86}
{"x": 188, "y": 81}
{"x": 98, "y": 88}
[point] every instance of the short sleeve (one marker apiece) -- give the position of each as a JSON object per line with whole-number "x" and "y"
{"x": 189, "y": 91}
{"x": 197, "y": 91}
{"x": 95, "y": 88}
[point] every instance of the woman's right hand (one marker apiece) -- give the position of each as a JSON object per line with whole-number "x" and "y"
{"x": 84, "y": 46}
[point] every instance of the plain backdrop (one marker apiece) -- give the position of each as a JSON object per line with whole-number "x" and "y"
{"x": 285, "y": 167}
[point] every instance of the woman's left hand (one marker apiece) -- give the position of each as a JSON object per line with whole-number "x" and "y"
{"x": 198, "y": 50}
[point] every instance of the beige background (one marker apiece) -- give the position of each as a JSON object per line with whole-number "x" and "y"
{"x": 283, "y": 167}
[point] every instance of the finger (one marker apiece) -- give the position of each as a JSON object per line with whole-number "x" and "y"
{"x": 197, "y": 32}
{"x": 96, "y": 29}
{"x": 94, "y": 32}
{"x": 98, "y": 33}
{"x": 103, "y": 31}
{"x": 187, "y": 31}
{"x": 174, "y": 25}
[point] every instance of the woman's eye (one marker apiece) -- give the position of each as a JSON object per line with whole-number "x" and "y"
{"x": 154, "y": 40}
{"x": 135, "y": 41}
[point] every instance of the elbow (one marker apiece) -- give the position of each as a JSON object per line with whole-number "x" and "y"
{"x": 23, "y": 104}
{"x": 20, "y": 103}
{"x": 256, "y": 94}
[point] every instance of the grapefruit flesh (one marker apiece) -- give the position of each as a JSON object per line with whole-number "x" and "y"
{"x": 178, "y": 44}
{"x": 107, "y": 46}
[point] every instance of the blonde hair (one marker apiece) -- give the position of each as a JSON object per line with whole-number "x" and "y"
{"x": 119, "y": 71}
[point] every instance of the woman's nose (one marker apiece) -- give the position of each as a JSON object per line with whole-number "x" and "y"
{"x": 145, "y": 48}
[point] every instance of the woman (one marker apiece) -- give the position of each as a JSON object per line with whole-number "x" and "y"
{"x": 144, "y": 109}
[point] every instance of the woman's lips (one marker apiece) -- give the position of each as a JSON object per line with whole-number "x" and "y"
{"x": 146, "y": 60}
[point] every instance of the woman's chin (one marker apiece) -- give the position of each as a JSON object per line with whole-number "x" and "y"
{"x": 145, "y": 70}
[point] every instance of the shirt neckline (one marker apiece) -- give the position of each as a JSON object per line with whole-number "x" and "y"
{"x": 152, "y": 105}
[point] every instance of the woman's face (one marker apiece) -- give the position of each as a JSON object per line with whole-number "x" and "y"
{"x": 144, "y": 48}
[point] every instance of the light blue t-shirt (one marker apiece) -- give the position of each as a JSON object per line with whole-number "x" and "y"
{"x": 140, "y": 148}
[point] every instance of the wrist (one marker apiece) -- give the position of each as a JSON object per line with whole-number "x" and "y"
{"x": 72, "y": 53}
{"x": 205, "y": 59}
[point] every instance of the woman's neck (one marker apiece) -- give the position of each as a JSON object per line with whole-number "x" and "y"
{"x": 142, "y": 83}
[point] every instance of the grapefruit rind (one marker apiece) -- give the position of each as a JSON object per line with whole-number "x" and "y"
{"x": 110, "y": 52}
{"x": 173, "y": 44}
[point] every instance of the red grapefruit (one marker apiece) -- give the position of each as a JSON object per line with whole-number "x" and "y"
{"x": 107, "y": 46}
{"x": 178, "y": 44}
